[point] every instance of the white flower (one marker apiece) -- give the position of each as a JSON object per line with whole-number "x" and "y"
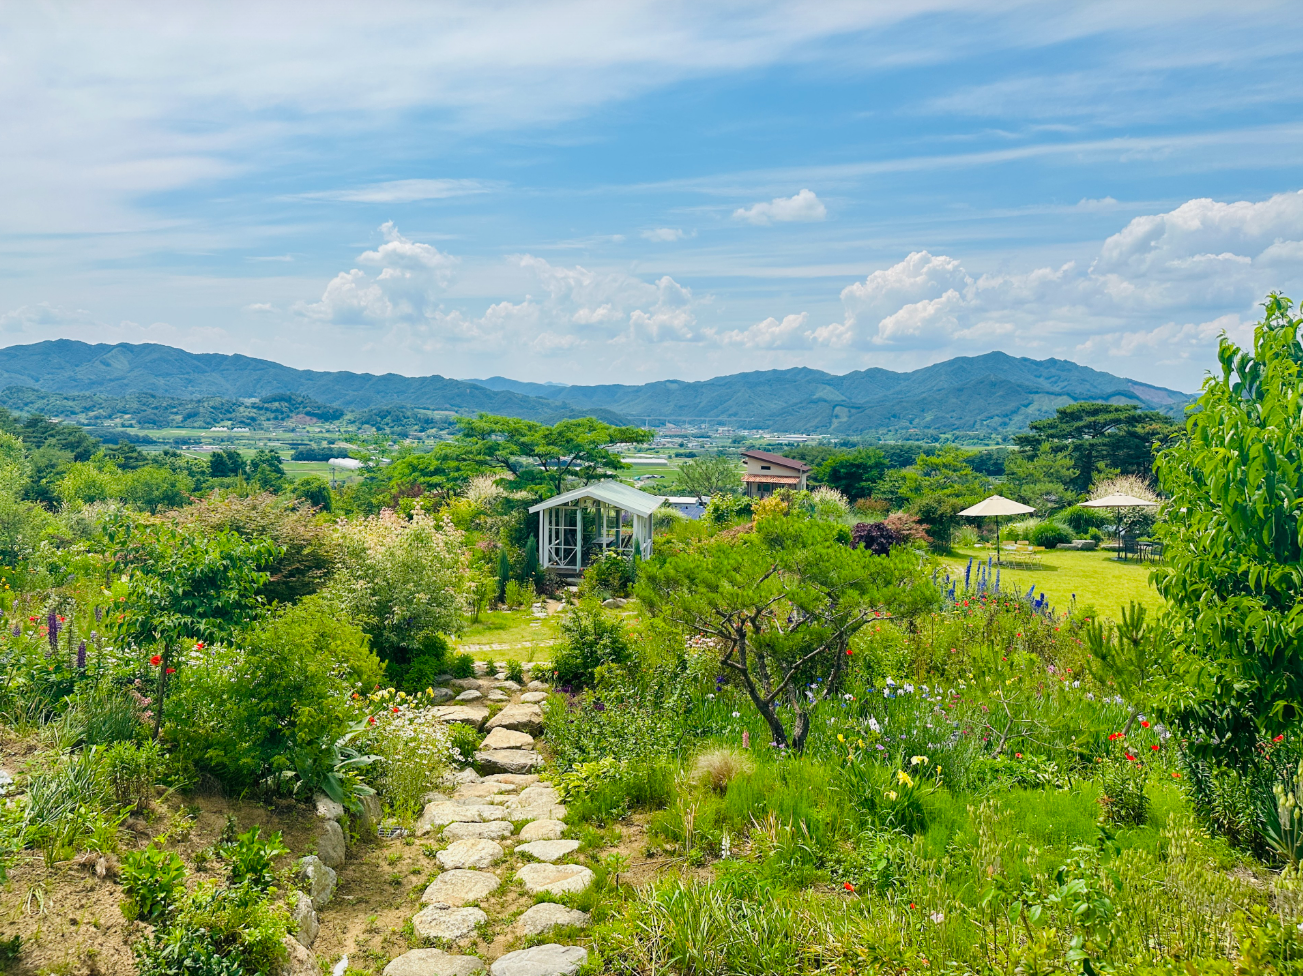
{"x": 737, "y": 714}
{"x": 711, "y": 697}
{"x": 873, "y": 724}
{"x": 891, "y": 683}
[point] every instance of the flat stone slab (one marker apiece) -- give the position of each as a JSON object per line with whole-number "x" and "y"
{"x": 460, "y": 887}
{"x": 447, "y": 924}
{"x": 465, "y": 684}
{"x": 537, "y": 685}
{"x": 493, "y": 830}
{"x": 501, "y": 738}
{"x": 549, "y": 850}
{"x": 497, "y": 696}
{"x": 544, "y": 960}
{"x": 515, "y": 779}
{"x": 507, "y": 685}
{"x": 472, "y": 853}
{"x": 470, "y": 695}
{"x": 534, "y": 697}
{"x": 433, "y": 962}
{"x": 440, "y": 814}
{"x": 472, "y": 715}
{"x": 556, "y": 879}
{"x": 509, "y": 760}
{"x": 539, "y": 830}
{"x": 549, "y": 915}
{"x": 460, "y": 776}
{"x": 519, "y": 718}
{"x": 482, "y": 790}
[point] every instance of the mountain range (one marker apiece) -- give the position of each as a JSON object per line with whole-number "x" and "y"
{"x": 989, "y": 394}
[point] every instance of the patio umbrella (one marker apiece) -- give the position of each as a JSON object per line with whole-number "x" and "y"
{"x": 1117, "y": 503}
{"x": 995, "y": 507}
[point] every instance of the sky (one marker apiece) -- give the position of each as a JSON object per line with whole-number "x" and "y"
{"x": 596, "y": 192}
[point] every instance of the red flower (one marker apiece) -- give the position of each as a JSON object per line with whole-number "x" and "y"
{"x": 370, "y": 720}
{"x": 848, "y": 652}
{"x": 199, "y": 645}
{"x": 1114, "y": 736}
{"x": 1131, "y": 757}
{"x": 171, "y": 670}
{"x": 1017, "y": 755}
{"x": 1279, "y": 738}
{"x": 156, "y": 660}
{"x": 31, "y": 620}
{"x": 912, "y": 905}
{"x": 1176, "y": 776}
{"x": 1153, "y": 748}
{"x": 1144, "y": 724}
{"x": 395, "y": 709}
{"x": 848, "y": 886}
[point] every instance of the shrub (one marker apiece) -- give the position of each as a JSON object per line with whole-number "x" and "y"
{"x": 590, "y": 638}
{"x": 1122, "y": 798}
{"x": 1083, "y": 520}
{"x": 907, "y": 527}
{"x": 153, "y": 880}
{"x": 724, "y": 508}
{"x": 428, "y": 665}
{"x": 877, "y": 537}
{"x": 515, "y": 672}
{"x": 612, "y": 573}
{"x": 132, "y": 771}
{"x": 463, "y": 742}
{"x": 1020, "y": 531}
{"x": 414, "y": 748}
{"x": 252, "y": 859}
{"x": 462, "y": 666}
{"x": 218, "y": 932}
{"x": 518, "y": 594}
{"x": 716, "y": 768}
{"x": 1050, "y": 535}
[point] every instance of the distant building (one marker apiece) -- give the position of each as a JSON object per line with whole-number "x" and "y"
{"x": 767, "y": 473}
{"x": 691, "y": 506}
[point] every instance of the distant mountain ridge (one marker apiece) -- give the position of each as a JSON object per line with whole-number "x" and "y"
{"x": 992, "y": 393}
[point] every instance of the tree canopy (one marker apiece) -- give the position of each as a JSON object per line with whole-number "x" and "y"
{"x": 855, "y": 474}
{"x": 1116, "y": 436}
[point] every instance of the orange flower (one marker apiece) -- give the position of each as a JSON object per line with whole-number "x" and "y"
{"x": 156, "y": 660}
{"x": 1144, "y": 723}
{"x": 848, "y": 886}
{"x": 1279, "y": 738}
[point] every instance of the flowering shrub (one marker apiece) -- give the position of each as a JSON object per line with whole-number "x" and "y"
{"x": 1123, "y": 775}
{"x": 414, "y": 747}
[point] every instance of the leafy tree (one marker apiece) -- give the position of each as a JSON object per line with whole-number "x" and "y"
{"x": 855, "y": 473}
{"x": 1041, "y": 479}
{"x": 782, "y": 603}
{"x": 710, "y": 475}
{"x": 936, "y": 489}
{"x": 1116, "y": 436}
{"x": 228, "y": 463}
{"x": 314, "y": 490}
{"x": 1233, "y": 534}
{"x": 124, "y": 455}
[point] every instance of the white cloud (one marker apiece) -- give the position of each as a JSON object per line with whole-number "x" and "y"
{"x": 408, "y": 191}
{"x": 260, "y": 307}
{"x": 803, "y": 207}
{"x": 42, "y": 315}
{"x": 770, "y": 334}
{"x": 664, "y": 234}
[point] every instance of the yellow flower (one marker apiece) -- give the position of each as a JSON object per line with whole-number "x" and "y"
{"x": 860, "y": 743}
{"x": 891, "y": 795}
{"x": 903, "y": 779}
{"x": 840, "y": 737}
{"x": 915, "y": 760}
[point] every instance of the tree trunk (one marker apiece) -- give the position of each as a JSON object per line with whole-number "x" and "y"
{"x": 800, "y": 729}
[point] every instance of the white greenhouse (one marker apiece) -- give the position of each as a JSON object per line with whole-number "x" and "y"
{"x": 620, "y": 515}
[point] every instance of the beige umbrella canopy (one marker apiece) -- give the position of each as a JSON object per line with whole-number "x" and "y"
{"x": 994, "y": 507}
{"x": 1118, "y": 502}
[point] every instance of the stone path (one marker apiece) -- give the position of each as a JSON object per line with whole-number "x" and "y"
{"x": 476, "y": 818}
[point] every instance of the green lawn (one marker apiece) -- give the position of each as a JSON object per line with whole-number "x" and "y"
{"x": 502, "y": 634}
{"x": 1096, "y": 578}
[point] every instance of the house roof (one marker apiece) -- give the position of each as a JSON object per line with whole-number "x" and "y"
{"x": 792, "y": 463}
{"x": 612, "y": 493}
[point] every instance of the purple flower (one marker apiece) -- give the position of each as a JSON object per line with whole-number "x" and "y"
{"x": 18, "y": 630}
{"x": 81, "y": 656}
{"x": 599, "y": 706}
{"x": 99, "y": 614}
{"x": 52, "y": 624}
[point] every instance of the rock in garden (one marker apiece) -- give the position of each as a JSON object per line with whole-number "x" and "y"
{"x": 556, "y": 879}
{"x": 458, "y": 777}
{"x": 330, "y": 844}
{"x": 460, "y": 887}
{"x": 542, "y": 830}
{"x": 534, "y": 697}
{"x": 509, "y": 760}
{"x": 303, "y": 917}
{"x": 513, "y": 778}
{"x": 319, "y": 879}
{"x": 615, "y": 603}
{"x": 369, "y": 819}
{"x": 494, "y": 830}
{"x": 537, "y": 686}
{"x": 548, "y": 915}
{"x": 440, "y": 695}
{"x": 508, "y": 685}
{"x": 501, "y": 738}
{"x": 299, "y": 960}
{"x": 327, "y": 808}
{"x": 521, "y": 718}
{"x": 472, "y": 853}
{"x": 447, "y": 924}
{"x": 465, "y": 684}
{"x": 439, "y": 814}
{"x": 433, "y": 962}
{"x": 544, "y": 960}
{"x": 472, "y": 715}
{"x": 549, "y": 850}
{"x": 481, "y": 790}
{"x": 469, "y": 696}
{"x": 498, "y": 696}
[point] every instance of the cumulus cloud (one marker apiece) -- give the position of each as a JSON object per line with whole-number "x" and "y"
{"x": 664, "y": 234}
{"x": 770, "y": 333}
{"x": 41, "y": 315}
{"x": 803, "y": 207}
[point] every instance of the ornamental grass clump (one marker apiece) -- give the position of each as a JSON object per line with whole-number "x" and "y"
{"x": 716, "y": 768}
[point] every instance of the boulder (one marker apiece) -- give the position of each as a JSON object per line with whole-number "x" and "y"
{"x": 513, "y": 778}
{"x": 509, "y": 760}
{"x": 444, "y": 923}
{"x": 330, "y": 844}
{"x": 472, "y": 853}
{"x": 440, "y": 814}
{"x": 466, "y": 684}
{"x": 472, "y": 715}
{"x": 493, "y": 830}
{"x": 544, "y": 960}
{"x": 549, "y": 915}
{"x": 460, "y": 888}
{"x": 369, "y": 819}
{"x": 327, "y": 809}
{"x": 537, "y": 686}
{"x": 303, "y": 917}
{"x": 433, "y": 962}
{"x": 542, "y": 830}
{"x": 508, "y": 685}
{"x": 501, "y": 738}
{"x": 320, "y": 880}
{"x": 615, "y": 603}
{"x": 460, "y": 776}
{"x": 534, "y": 697}
{"x": 440, "y": 695}
{"x": 549, "y": 850}
{"x": 470, "y": 695}
{"x": 556, "y": 879}
{"x": 299, "y": 960}
{"x": 519, "y": 718}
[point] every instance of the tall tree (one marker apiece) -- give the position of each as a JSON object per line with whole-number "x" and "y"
{"x": 710, "y": 475}
{"x": 853, "y": 473}
{"x": 1119, "y": 436}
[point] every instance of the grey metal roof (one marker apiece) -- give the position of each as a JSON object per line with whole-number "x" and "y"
{"x": 612, "y": 493}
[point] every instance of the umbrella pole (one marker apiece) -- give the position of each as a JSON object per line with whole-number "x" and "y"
{"x": 997, "y": 540}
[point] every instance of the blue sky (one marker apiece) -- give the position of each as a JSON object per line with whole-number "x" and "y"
{"x": 588, "y": 192}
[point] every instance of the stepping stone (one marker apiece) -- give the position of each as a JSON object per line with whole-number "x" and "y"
{"x": 470, "y": 695}
{"x": 445, "y": 923}
{"x": 539, "y": 830}
{"x": 509, "y": 760}
{"x": 473, "y": 853}
{"x": 508, "y": 685}
{"x": 549, "y": 915}
{"x": 441, "y": 814}
{"x": 460, "y": 776}
{"x": 460, "y": 887}
{"x": 538, "y": 686}
{"x": 501, "y": 738}
{"x": 534, "y": 697}
{"x": 472, "y": 715}
{"x": 521, "y": 718}
{"x": 556, "y": 879}
{"x": 433, "y": 962}
{"x": 466, "y": 684}
{"x": 513, "y": 778}
{"x": 493, "y": 830}
{"x": 498, "y": 696}
{"x": 549, "y": 850}
{"x": 320, "y": 880}
{"x": 482, "y": 790}
{"x": 544, "y": 960}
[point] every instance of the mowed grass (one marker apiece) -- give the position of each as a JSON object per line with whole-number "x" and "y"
{"x": 1096, "y": 579}
{"x": 511, "y": 627}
